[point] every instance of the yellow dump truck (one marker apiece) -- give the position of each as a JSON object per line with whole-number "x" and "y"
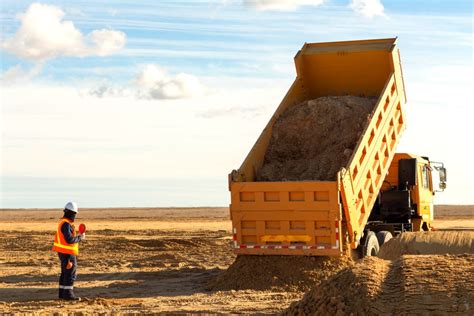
{"x": 379, "y": 193}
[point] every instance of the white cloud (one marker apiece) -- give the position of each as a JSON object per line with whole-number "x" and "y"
{"x": 152, "y": 83}
{"x": 107, "y": 41}
{"x": 43, "y": 34}
{"x": 105, "y": 89}
{"x": 141, "y": 140}
{"x": 368, "y": 8}
{"x": 280, "y": 5}
{"x": 155, "y": 83}
{"x": 17, "y": 74}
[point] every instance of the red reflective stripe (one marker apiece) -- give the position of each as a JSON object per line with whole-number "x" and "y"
{"x": 290, "y": 247}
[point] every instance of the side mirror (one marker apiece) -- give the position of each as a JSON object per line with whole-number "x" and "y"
{"x": 442, "y": 186}
{"x": 442, "y": 174}
{"x": 443, "y": 178}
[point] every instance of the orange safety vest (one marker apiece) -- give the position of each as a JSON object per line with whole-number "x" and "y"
{"x": 60, "y": 244}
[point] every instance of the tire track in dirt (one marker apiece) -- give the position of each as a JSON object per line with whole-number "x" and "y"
{"x": 410, "y": 285}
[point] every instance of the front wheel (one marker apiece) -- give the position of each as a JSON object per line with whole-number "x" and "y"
{"x": 370, "y": 246}
{"x": 383, "y": 236}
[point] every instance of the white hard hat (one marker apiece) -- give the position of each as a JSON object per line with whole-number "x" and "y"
{"x": 71, "y": 206}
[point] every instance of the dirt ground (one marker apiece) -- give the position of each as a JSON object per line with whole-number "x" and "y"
{"x": 147, "y": 260}
{"x": 409, "y": 285}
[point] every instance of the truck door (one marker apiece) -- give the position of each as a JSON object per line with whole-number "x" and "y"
{"x": 425, "y": 201}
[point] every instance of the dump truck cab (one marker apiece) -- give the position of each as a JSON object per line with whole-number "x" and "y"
{"x": 405, "y": 201}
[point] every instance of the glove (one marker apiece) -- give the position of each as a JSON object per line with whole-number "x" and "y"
{"x": 82, "y": 236}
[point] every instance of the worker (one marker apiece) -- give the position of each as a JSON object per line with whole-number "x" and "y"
{"x": 66, "y": 244}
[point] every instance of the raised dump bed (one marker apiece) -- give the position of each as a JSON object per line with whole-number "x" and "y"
{"x": 324, "y": 217}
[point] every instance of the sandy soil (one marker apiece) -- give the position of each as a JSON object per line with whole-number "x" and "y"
{"x": 428, "y": 243}
{"x": 409, "y": 285}
{"x": 454, "y": 217}
{"x": 301, "y": 148}
{"x": 142, "y": 260}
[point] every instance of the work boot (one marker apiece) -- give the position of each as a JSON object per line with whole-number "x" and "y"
{"x": 69, "y": 296}
{"x": 72, "y": 298}
{"x": 61, "y": 293}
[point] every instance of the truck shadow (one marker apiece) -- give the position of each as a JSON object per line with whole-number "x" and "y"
{"x": 170, "y": 282}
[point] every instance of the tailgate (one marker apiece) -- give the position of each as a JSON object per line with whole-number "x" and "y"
{"x": 286, "y": 218}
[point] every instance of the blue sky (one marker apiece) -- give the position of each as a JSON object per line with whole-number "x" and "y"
{"x": 102, "y": 99}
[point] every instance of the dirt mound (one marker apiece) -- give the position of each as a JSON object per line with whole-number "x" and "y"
{"x": 409, "y": 285}
{"x": 314, "y": 139}
{"x": 449, "y": 242}
{"x": 295, "y": 273}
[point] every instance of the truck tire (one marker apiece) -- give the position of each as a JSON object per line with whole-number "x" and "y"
{"x": 383, "y": 236}
{"x": 371, "y": 245}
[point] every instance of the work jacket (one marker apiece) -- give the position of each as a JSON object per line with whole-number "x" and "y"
{"x": 65, "y": 240}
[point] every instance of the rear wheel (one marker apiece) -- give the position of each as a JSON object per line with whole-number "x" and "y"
{"x": 383, "y": 236}
{"x": 371, "y": 245}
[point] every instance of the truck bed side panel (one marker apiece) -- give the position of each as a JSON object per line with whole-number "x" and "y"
{"x": 364, "y": 177}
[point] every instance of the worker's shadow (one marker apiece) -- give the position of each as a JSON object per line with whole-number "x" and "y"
{"x": 169, "y": 282}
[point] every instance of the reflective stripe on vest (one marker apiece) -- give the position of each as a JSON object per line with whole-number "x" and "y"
{"x": 60, "y": 244}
